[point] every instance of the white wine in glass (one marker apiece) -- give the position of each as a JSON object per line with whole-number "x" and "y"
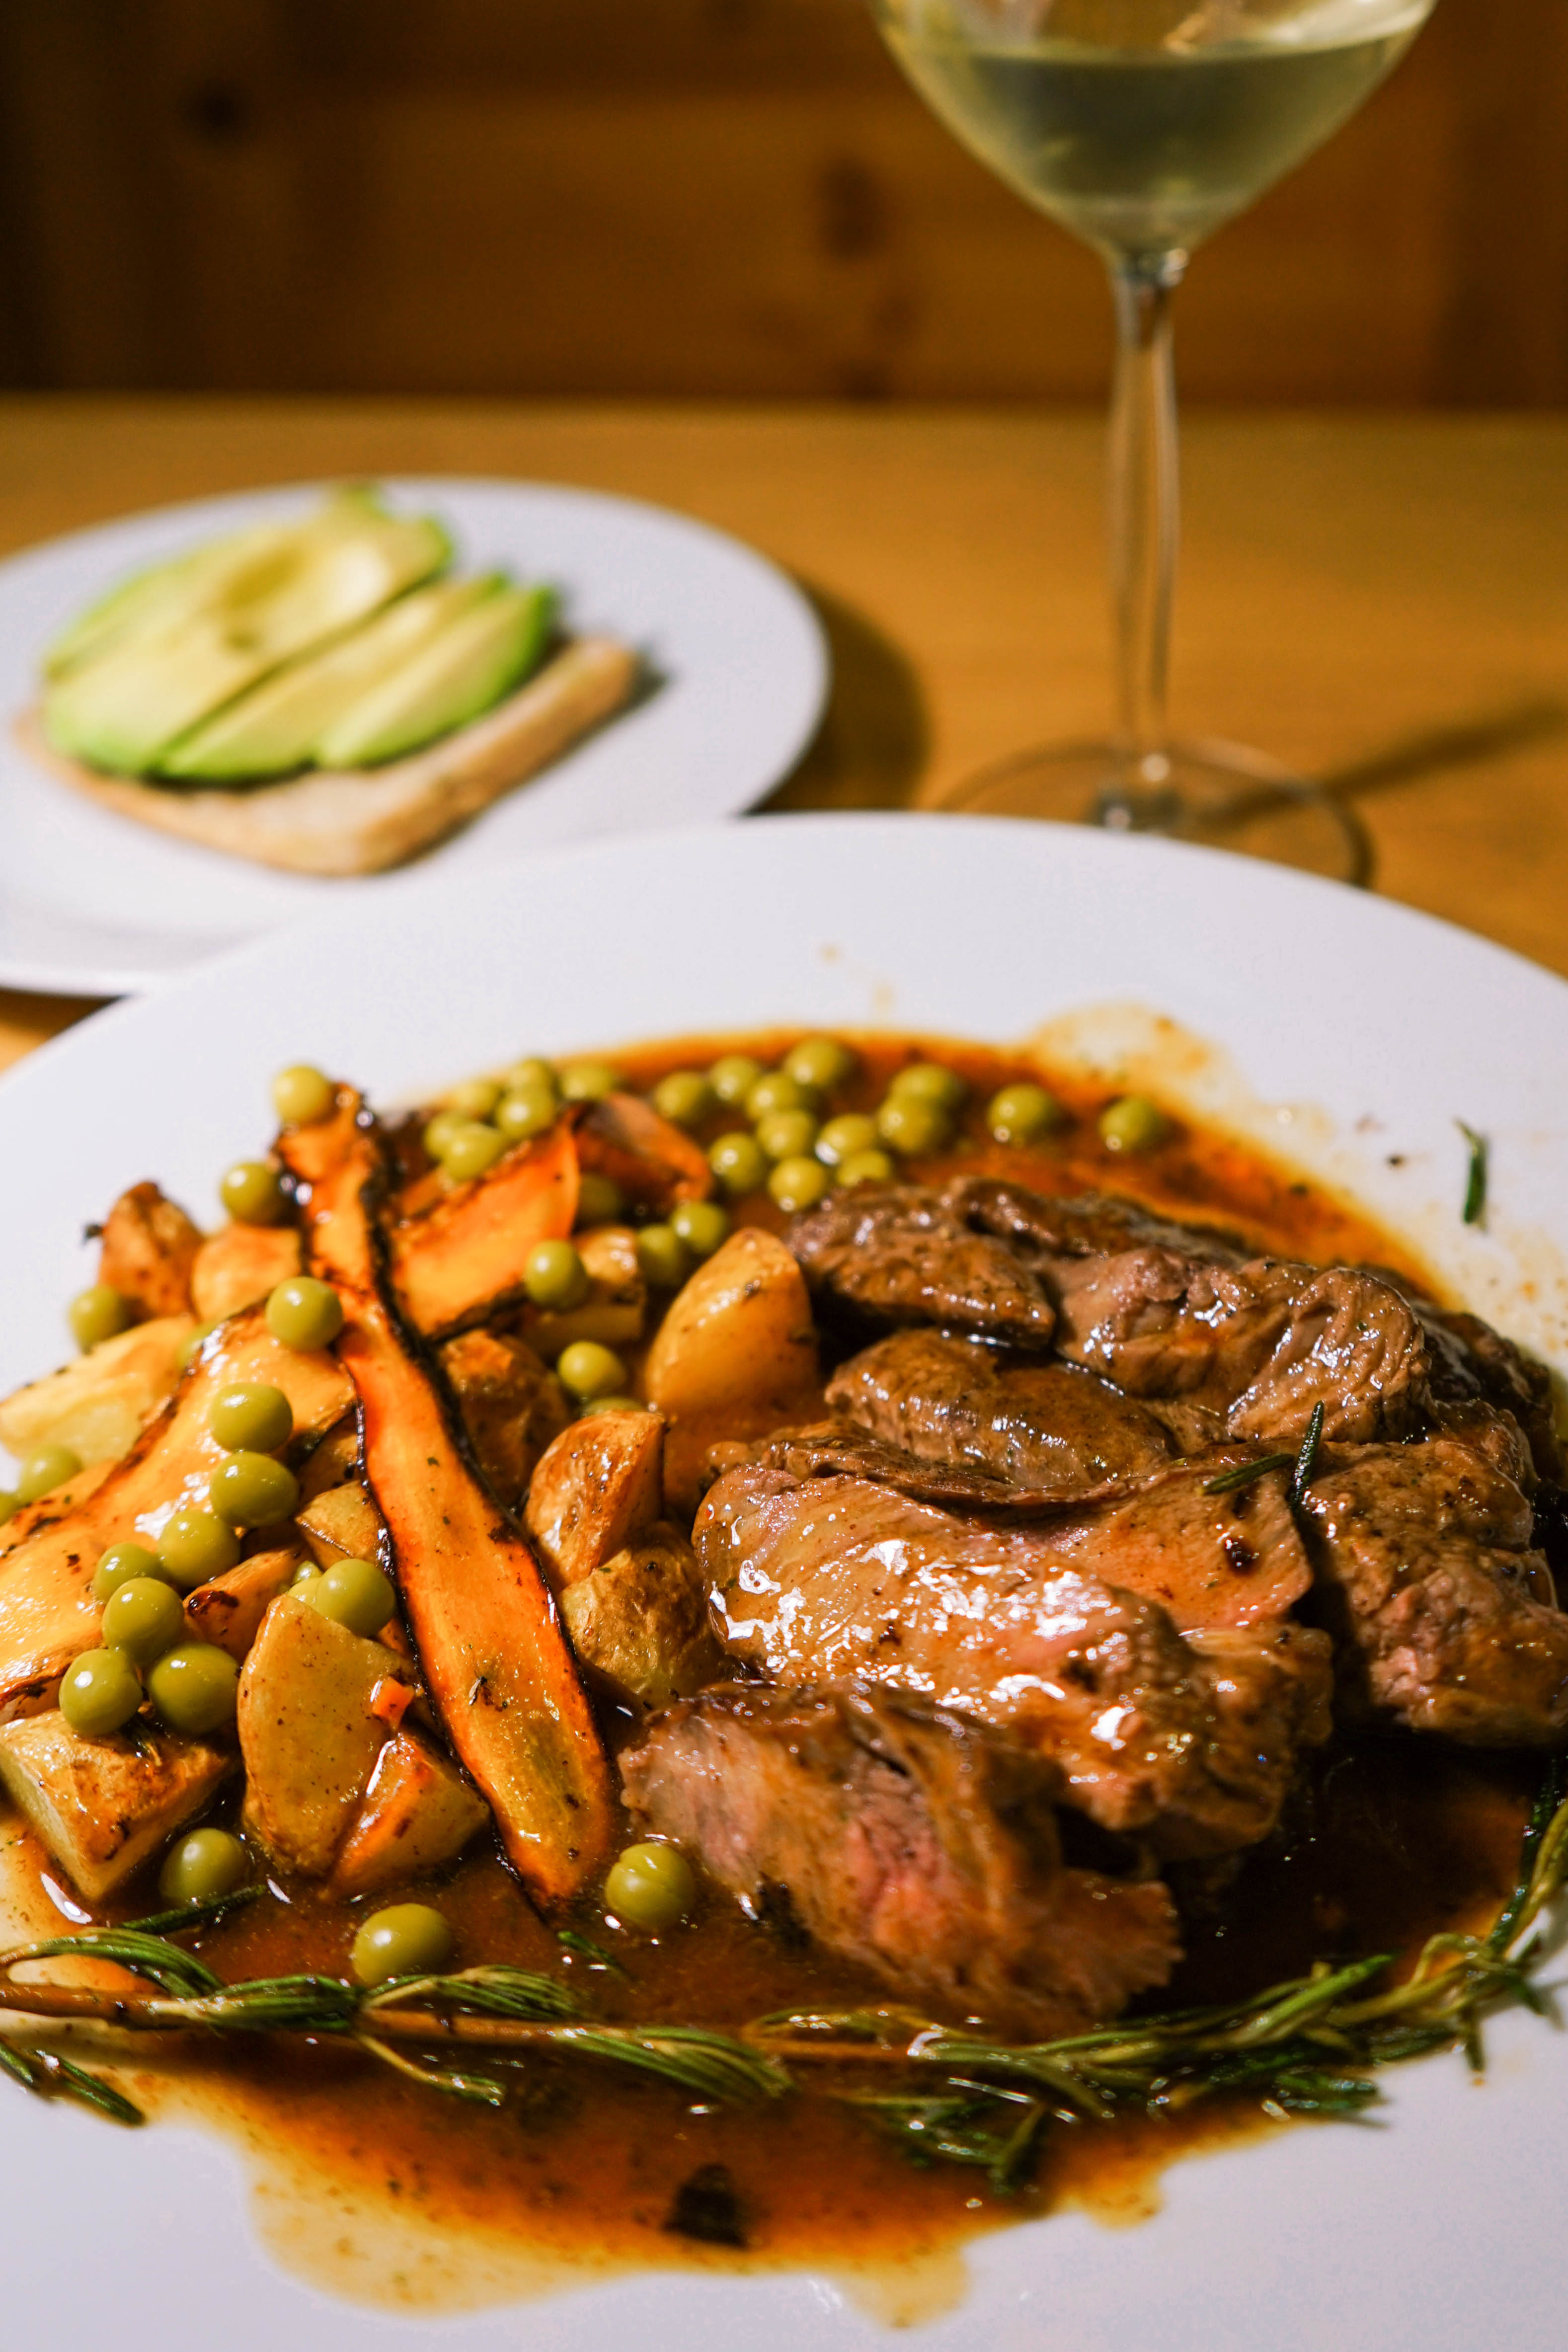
{"x": 1143, "y": 126}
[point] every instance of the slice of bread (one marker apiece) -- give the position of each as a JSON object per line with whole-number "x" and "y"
{"x": 362, "y": 820}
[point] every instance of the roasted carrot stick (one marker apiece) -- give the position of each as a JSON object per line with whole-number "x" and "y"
{"x": 465, "y": 1256}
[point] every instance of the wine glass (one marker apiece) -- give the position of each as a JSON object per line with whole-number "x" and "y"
{"x": 1143, "y": 125}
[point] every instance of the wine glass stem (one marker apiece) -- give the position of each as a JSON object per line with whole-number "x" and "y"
{"x": 1143, "y": 511}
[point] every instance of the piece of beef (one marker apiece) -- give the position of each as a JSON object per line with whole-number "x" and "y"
{"x": 1187, "y": 1743}
{"x": 1038, "y": 1426}
{"x": 897, "y": 1255}
{"x": 1423, "y": 1555}
{"x": 910, "y": 1839}
{"x": 1088, "y": 1225}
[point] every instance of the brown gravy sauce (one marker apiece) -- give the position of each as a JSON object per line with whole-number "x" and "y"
{"x": 400, "y": 2197}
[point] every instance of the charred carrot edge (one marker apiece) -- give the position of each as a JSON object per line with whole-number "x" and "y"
{"x": 496, "y": 1662}
{"x": 465, "y": 1258}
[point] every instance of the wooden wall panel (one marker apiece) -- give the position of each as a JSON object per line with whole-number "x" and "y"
{"x": 725, "y": 198}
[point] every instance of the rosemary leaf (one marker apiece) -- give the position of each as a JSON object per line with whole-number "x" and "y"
{"x": 1475, "y": 1206}
{"x": 480, "y": 2090}
{"x": 47, "y": 2075}
{"x": 710, "y": 2066}
{"x": 583, "y": 1947}
{"x": 193, "y": 1914}
{"x": 303, "y": 2004}
{"x": 1306, "y": 1460}
{"x": 494, "y": 1991}
{"x": 1247, "y": 1473}
{"x": 161, "y": 1963}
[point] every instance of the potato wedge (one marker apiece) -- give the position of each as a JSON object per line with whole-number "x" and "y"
{"x": 418, "y": 1812}
{"x": 100, "y": 1405}
{"x": 734, "y": 1357}
{"x": 597, "y": 1488}
{"x": 639, "y": 1622}
{"x": 341, "y": 1524}
{"x": 149, "y": 1247}
{"x": 238, "y": 1267}
{"x": 615, "y": 1310}
{"x": 101, "y": 1806}
{"x": 307, "y": 1732}
{"x": 229, "y": 1610}
{"x": 457, "y": 1263}
{"x": 511, "y": 1406}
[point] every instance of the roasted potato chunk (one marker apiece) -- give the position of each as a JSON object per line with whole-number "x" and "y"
{"x": 735, "y": 1357}
{"x": 510, "y": 1403}
{"x": 341, "y": 1524}
{"x": 418, "y": 1811}
{"x": 229, "y": 1610}
{"x": 640, "y": 1623}
{"x": 100, "y": 1405}
{"x": 148, "y": 1250}
{"x": 307, "y": 1733}
{"x": 101, "y": 1806}
{"x": 598, "y": 1487}
{"x": 238, "y": 1267}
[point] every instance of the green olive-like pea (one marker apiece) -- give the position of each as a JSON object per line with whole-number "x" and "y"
{"x": 42, "y": 1471}
{"x": 304, "y": 1313}
{"x": 252, "y": 1192}
{"x": 852, "y": 1131}
{"x": 474, "y": 1098}
{"x": 194, "y": 1687}
{"x": 587, "y": 1081}
{"x": 101, "y": 1691}
{"x": 353, "y": 1592}
{"x": 191, "y": 1342}
{"x": 526, "y": 1111}
{"x": 526, "y": 1075}
{"x": 1022, "y": 1113}
{"x": 787, "y": 1134}
{"x": 407, "y": 1940}
{"x": 663, "y": 1257}
{"x": 202, "y": 1866}
{"x": 702, "y": 1225}
{"x": 553, "y": 1275}
{"x": 586, "y": 1371}
{"x": 303, "y": 1096}
{"x": 600, "y": 1200}
{"x": 821, "y": 1063}
{"x": 10, "y": 1504}
{"x": 195, "y": 1547}
{"x": 684, "y": 1097}
{"x": 120, "y": 1564}
{"x": 143, "y": 1617}
{"x": 912, "y": 1125}
{"x": 252, "y": 1415}
{"x": 438, "y": 1133}
{"x": 98, "y": 1313}
{"x": 306, "y": 1573}
{"x": 1132, "y": 1123}
{"x": 471, "y": 1149}
{"x": 776, "y": 1090}
{"x": 650, "y": 1886}
{"x": 739, "y": 1162}
{"x": 252, "y": 1490}
{"x": 797, "y": 1184}
{"x": 733, "y": 1076}
{"x": 871, "y": 1167}
{"x": 614, "y": 1404}
{"x": 928, "y": 1082}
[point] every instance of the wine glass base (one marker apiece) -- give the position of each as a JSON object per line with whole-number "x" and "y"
{"x": 1221, "y": 794}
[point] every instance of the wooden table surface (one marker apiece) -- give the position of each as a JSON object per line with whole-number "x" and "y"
{"x": 1381, "y": 599}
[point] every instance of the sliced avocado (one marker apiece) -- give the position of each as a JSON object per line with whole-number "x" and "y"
{"x": 474, "y": 662}
{"x": 272, "y": 729}
{"x": 293, "y": 590}
{"x": 163, "y": 594}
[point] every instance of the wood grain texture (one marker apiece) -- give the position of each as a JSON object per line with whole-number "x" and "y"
{"x": 725, "y": 198}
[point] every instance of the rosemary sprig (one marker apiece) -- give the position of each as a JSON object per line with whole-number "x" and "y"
{"x": 1475, "y": 1206}
{"x": 1247, "y": 1473}
{"x": 1306, "y": 1460}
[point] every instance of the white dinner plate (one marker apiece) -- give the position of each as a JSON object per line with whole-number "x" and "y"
{"x": 1349, "y": 1033}
{"x": 93, "y": 902}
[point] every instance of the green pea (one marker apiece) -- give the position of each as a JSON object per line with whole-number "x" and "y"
{"x": 439, "y": 1131}
{"x": 41, "y": 1472}
{"x": 10, "y": 1504}
{"x": 739, "y": 1162}
{"x": 407, "y": 1940}
{"x": 600, "y": 1200}
{"x": 529, "y": 1076}
{"x": 663, "y": 1257}
{"x": 1022, "y": 1113}
{"x": 97, "y": 1314}
{"x": 650, "y": 1886}
{"x": 353, "y": 1592}
{"x": 101, "y": 1691}
{"x": 702, "y": 1225}
{"x": 912, "y": 1125}
{"x": 471, "y": 1149}
{"x": 303, "y": 1096}
{"x": 1133, "y": 1123}
{"x": 776, "y": 1090}
{"x": 797, "y": 1184}
{"x": 143, "y": 1617}
{"x": 853, "y": 1131}
{"x": 474, "y": 1099}
{"x": 526, "y": 1111}
{"x": 553, "y": 1275}
{"x": 194, "y": 1687}
{"x": 786, "y": 1134}
{"x": 733, "y": 1076}
{"x": 252, "y": 1490}
{"x": 821, "y": 1063}
{"x": 119, "y": 1564}
{"x": 304, "y": 1313}
{"x": 587, "y": 1081}
{"x": 252, "y": 1415}
{"x": 928, "y": 1082}
{"x": 586, "y": 1371}
{"x": 191, "y": 1342}
{"x": 865, "y": 1168}
{"x": 195, "y": 1547}
{"x": 253, "y": 1193}
{"x": 306, "y": 1573}
{"x": 614, "y": 1404}
{"x": 202, "y": 1866}
{"x": 684, "y": 1097}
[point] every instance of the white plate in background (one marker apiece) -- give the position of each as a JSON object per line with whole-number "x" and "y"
{"x": 93, "y": 902}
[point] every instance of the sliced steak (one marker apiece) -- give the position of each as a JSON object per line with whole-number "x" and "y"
{"x": 897, "y": 1255}
{"x": 1038, "y": 1426}
{"x": 825, "y": 1579}
{"x": 907, "y": 1838}
{"x": 1089, "y": 1225}
{"x": 1423, "y": 1555}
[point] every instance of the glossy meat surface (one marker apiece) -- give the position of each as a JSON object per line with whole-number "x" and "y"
{"x": 900, "y": 1255}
